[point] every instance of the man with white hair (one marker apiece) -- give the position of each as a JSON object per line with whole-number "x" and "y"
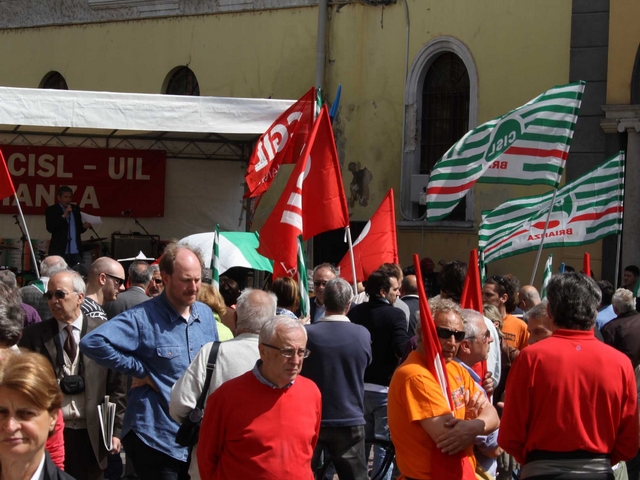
{"x": 623, "y": 332}
{"x": 235, "y": 357}
{"x": 264, "y": 423}
{"x": 32, "y": 293}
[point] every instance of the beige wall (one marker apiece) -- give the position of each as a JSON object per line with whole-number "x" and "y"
{"x": 624, "y": 38}
{"x": 519, "y": 48}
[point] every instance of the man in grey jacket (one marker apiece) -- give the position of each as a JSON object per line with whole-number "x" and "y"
{"x": 235, "y": 357}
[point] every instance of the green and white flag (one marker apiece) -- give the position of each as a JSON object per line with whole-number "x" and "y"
{"x": 527, "y": 146}
{"x": 584, "y": 211}
{"x": 215, "y": 261}
{"x": 546, "y": 276}
{"x": 303, "y": 281}
{"x": 235, "y": 249}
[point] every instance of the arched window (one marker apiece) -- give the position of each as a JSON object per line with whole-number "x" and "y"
{"x": 182, "y": 81}
{"x": 54, "y": 80}
{"x": 440, "y": 107}
{"x": 445, "y": 108}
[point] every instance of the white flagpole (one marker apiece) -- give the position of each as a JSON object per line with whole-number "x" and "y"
{"x": 619, "y": 241}
{"x": 544, "y": 233}
{"x": 26, "y": 231}
{"x": 353, "y": 261}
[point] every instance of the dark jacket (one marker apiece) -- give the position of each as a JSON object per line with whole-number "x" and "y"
{"x": 51, "y": 472}
{"x": 388, "y": 328}
{"x": 58, "y": 227}
{"x": 126, "y": 300}
{"x": 623, "y": 334}
{"x": 99, "y": 381}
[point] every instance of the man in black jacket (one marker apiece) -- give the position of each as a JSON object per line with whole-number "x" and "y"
{"x": 388, "y": 328}
{"x": 64, "y": 223}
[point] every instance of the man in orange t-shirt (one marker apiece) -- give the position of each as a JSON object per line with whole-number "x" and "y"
{"x": 502, "y": 292}
{"x": 420, "y": 419}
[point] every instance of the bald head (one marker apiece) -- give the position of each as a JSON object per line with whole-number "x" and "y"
{"x": 105, "y": 280}
{"x": 529, "y": 297}
{"x": 51, "y": 265}
{"x": 409, "y": 285}
{"x": 538, "y": 323}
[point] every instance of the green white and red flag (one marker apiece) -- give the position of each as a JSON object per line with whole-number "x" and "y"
{"x": 546, "y": 276}
{"x": 584, "y": 211}
{"x": 528, "y": 145}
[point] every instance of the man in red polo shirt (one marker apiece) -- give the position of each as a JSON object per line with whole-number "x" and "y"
{"x": 571, "y": 408}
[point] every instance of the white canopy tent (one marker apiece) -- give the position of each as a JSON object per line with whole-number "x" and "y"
{"x": 193, "y": 131}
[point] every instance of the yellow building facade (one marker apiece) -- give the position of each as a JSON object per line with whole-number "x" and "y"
{"x": 378, "y": 51}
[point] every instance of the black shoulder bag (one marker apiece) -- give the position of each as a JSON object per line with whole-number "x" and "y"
{"x": 189, "y": 430}
{"x": 70, "y": 384}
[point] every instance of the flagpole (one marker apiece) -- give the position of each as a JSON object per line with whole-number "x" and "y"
{"x": 353, "y": 261}
{"x": 619, "y": 241}
{"x": 26, "y": 231}
{"x": 215, "y": 259}
{"x": 544, "y": 233}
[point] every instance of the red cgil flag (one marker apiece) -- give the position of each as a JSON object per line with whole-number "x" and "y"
{"x": 376, "y": 244}
{"x": 586, "y": 264}
{"x": 312, "y": 202}
{"x": 472, "y": 290}
{"x": 443, "y": 465}
{"x": 281, "y": 144}
{"x": 6, "y": 184}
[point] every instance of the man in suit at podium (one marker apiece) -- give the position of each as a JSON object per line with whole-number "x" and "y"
{"x": 64, "y": 223}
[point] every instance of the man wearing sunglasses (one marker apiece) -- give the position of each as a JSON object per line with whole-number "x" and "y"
{"x": 424, "y": 429}
{"x": 264, "y": 423}
{"x": 57, "y": 338}
{"x": 104, "y": 281}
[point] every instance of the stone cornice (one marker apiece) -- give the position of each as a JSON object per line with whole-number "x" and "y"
{"x": 620, "y": 118}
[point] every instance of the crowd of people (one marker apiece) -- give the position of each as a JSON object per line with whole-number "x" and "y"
{"x": 540, "y": 389}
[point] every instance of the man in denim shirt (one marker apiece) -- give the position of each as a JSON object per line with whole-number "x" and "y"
{"x": 155, "y": 342}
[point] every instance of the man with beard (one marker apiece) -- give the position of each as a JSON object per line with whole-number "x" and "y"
{"x": 155, "y": 342}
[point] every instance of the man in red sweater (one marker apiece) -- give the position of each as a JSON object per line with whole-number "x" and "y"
{"x": 264, "y": 425}
{"x": 571, "y": 405}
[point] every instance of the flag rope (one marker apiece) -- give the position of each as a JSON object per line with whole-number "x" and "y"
{"x": 544, "y": 234}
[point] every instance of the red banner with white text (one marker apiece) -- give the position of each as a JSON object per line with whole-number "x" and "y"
{"x": 106, "y": 182}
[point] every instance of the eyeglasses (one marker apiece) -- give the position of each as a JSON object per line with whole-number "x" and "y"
{"x": 119, "y": 281}
{"x": 319, "y": 283}
{"x": 445, "y": 334}
{"x": 484, "y": 337}
{"x": 289, "y": 352}
{"x": 157, "y": 281}
{"x": 59, "y": 294}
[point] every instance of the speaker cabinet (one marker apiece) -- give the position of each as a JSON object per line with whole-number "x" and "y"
{"x": 130, "y": 245}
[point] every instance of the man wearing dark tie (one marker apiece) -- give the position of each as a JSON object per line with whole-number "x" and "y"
{"x": 64, "y": 223}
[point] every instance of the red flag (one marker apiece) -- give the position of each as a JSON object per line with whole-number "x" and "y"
{"x": 443, "y": 465}
{"x": 376, "y": 244}
{"x": 281, "y": 144}
{"x": 6, "y": 184}
{"x": 472, "y": 290}
{"x": 586, "y": 264}
{"x": 312, "y": 202}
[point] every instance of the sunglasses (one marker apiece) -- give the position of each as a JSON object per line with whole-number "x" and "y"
{"x": 289, "y": 352}
{"x": 157, "y": 281}
{"x": 59, "y": 294}
{"x": 445, "y": 334}
{"x": 318, "y": 283}
{"x": 119, "y": 281}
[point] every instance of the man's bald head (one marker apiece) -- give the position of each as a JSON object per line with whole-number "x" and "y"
{"x": 409, "y": 285}
{"x": 539, "y": 324}
{"x": 529, "y": 297}
{"x": 51, "y": 265}
{"x": 105, "y": 280}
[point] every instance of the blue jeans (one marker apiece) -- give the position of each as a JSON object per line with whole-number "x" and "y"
{"x": 375, "y": 414}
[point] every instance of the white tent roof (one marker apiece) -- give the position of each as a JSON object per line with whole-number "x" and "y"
{"x": 74, "y": 109}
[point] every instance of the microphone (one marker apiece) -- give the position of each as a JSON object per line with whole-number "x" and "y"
{"x": 125, "y": 213}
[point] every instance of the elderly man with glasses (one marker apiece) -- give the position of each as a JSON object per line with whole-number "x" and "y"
{"x": 423, "y": 426}
{"x": 264, "y": 423}
{"x": 57, "y": 339}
